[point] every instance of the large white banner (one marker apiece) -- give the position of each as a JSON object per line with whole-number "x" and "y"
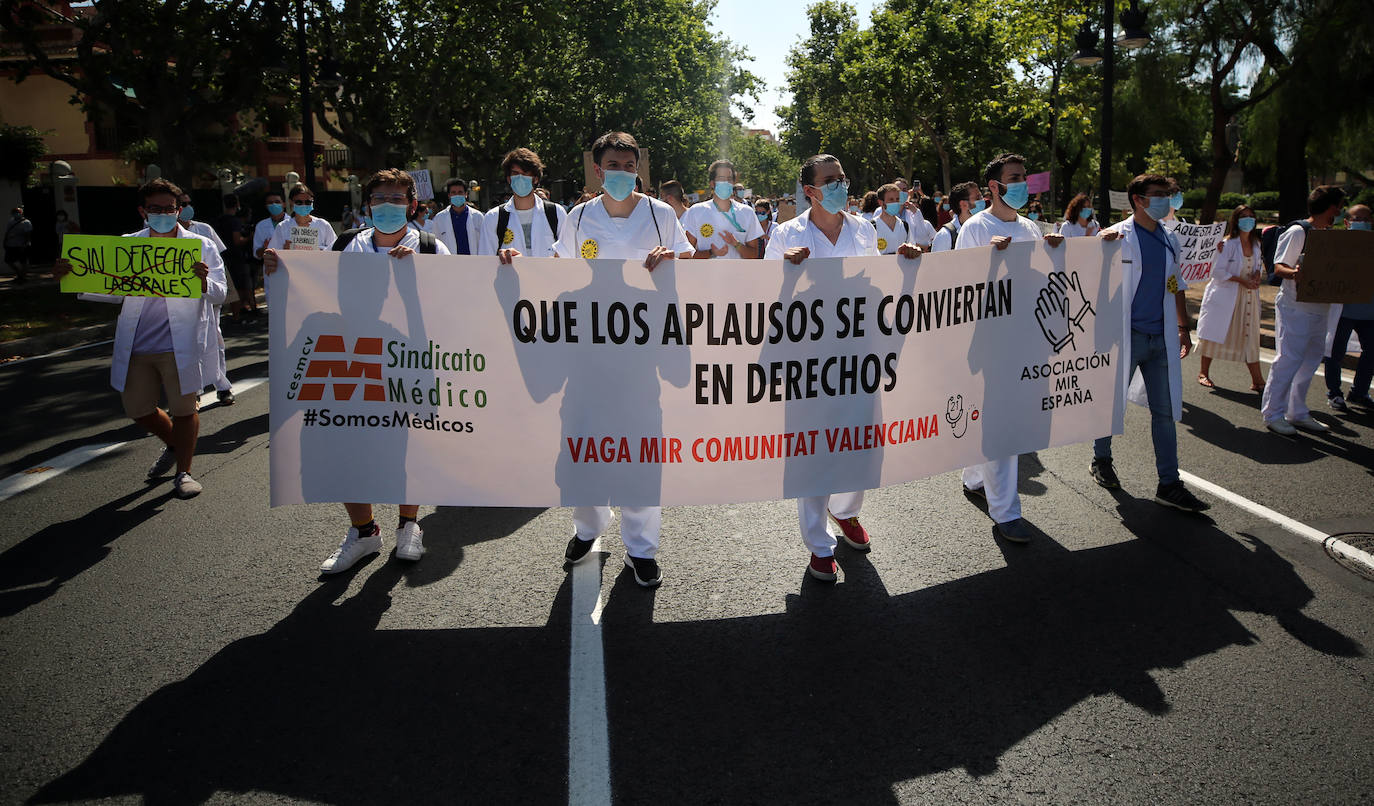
{"x": 453, "y": 380}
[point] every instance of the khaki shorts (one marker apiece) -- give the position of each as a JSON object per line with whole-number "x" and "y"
{"x": 150, "y": 375}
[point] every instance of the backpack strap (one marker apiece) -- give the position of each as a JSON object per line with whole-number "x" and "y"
{"x": 427, "y": 243}
{"x": 953, "y": 232}
{"x": 551, "y": 213}
{"x": 345, "y": 238}
{"x": 502, "y": 222}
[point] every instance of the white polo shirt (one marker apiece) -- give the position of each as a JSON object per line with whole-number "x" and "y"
{"x": 706, "y": 223}
{"x": 857, "y": 237}
{"x": 590, "y": 232}
{"x": 983, "y": 227}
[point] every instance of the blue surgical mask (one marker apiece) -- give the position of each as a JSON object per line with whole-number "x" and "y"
{"x": 619, "y": 184}
{"x": 521, "y": 185}
{"x": 367, "y": 217}
{"x": 903, "y": 196}
{"x": 834, "y": 196}
{"x": 1335, "y": 222}
{"x": 978, "y": 206}
{"x": 389, "y": 218}
{"x": 275, "y": 209}
{"x": 937, "y": 199}
{"x": 1158, "y": 208}
{"x": 762, "y": 217}
{"x": 1176, "y": 201}
{"x": 1246, "y": 224}
{"x": 303, "y": 209}
{"x": 1360, "y": 225}
{"x": 187, "y": 213}
{"x": 892, "y": 208}
{"x": 457, "y": 200}
{"x": 723, "y": 189}
{"x": 162, "y": 222}
{"x": 1085, "y": 213}
{"x": 1016, "y": 195}
{"x": 1033, "y": 216}
{"x": 944, "y": 206}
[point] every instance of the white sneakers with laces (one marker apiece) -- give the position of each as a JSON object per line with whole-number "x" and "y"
{"x": 409, "y": 542}
{"x": 353, "y": 548}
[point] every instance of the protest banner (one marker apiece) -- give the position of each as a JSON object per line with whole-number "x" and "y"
{"x": 1198, "y": 249}
{"x": 1038, "y": 183}
{"x": 786, "y": 211}
{"x": 568, "y": 381}
{"x": 424, "y": 186}
{"x": 131, "y": 267}
{"x": 1119, "y": 200}
{"x": 304, "y": 237}
{"x": 1337, "y": 266}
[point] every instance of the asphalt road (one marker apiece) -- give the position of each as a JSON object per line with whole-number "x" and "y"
{"x": 164, "y": 651}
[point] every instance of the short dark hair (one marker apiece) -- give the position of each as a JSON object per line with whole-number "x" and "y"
{"x": 299, "y": 188}
{"x": 1141, "y": 184}
{"x": 764, "y": 203}
{"x": 890, "y": 186}
{"x": 524, "y": 158}
{"x": 448, "y": 186}
{"x": 155, "y": 186}
{"x": 808, "y": 168}
{"x": 614, "y": 141}
{"x": 870, "y": 202}
{"x": 992, "y": 172}
{"x": 390, "y": 176}
{"x": 711, "y": 172}
{"x": 271, "y": 193}
{"x": 672, "y": 189}
{"x": 1323, "y": 198}
{"x": 960, "y": 194}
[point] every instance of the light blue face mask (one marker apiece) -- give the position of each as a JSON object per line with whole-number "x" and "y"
{"x": 275, "y": 209}
{"x": 367, "y": 217}
{"x": 834, "y": 196}
{"x": 892, "y": 208}
{"x": 723, "y": 189}
{"x": 162, "y": 222}
{"x": 904, "y": 195}
{"x": 1246, "y": 224}
{"x": 978, "y": 206}
{"x": 762, "y": 217}
{"x": 1359, "y": 225}
{"x": 1176, "y": 201}
{"x": 521, "y": 185}
{"x": 389, "y": 218}
{"x": 1033, "y": 216}
{"x": 739, "y": 194}
{"x": 303, "y": 209}
{"x": 1016, "y": 195}
{"x": 619, "y": 184}
{"x": 457, "y": 200}
{"x": 187, "y": 213}
{"x": 1159, "y": 207}
{"x": 1085, "y": 213}
{"x": 1336, "y": 222}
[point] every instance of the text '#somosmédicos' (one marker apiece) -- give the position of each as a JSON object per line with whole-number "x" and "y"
{"x": 757, "y": 323}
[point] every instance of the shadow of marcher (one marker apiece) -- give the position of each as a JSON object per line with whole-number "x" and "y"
{"x": 1261, "y": 446}
{"x": 37, "y": 566}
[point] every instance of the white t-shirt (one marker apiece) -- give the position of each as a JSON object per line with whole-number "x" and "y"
{"x": 1289, "y": 252}
{"x": 889, "y": 238}
{"x": 983, "y": 227}
{"x": 857, "y": 238}
{"x": 1072, "y": 229}
{"x": 943, "y": 242}
{"x": 922, "y": 233}
{"x": 590, "y": 232}
{"x": 706, "y": 223}
{"x": 282, "y": 233}
{"x": 362, "y": 242}
{"x": 529, "y": 229}
{"x": 262, "y": 234}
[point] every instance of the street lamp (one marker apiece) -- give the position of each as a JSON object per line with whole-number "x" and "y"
{"x": 1134, "y": 36}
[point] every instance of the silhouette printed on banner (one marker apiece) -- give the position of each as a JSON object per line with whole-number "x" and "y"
{"x": 603, "y": 371}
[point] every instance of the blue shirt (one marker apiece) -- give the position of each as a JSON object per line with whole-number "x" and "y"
{"x": 460, "y": 230}
{"x": 1358, "y": 310}
{"x": 1147, "y": 306}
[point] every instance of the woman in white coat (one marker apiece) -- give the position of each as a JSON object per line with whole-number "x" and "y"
{"x": 1228, "y": 327}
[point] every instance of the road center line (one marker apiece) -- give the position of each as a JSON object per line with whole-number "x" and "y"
{"x": 589, "y": 752}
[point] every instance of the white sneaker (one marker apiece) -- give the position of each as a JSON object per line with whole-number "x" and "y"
{"x": 353, "y": 548}
{"x": 185, "y": 486}
{"x": 165, "y": 461}
{"x": 409, "y": 545}
{"x": 1309, "y": 424}
{"x": 1281, "y": 427}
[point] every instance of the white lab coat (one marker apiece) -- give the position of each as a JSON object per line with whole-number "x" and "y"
{"x": 190, "y": 321}
{"x": 1219, "y": 298}
{"x": 543, "y": 239}
{"x": 1134, "y": 387}
{"x": 441, "y": 225}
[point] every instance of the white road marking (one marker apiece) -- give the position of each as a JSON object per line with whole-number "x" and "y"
{"x": 1279, "y": 519}
{"x": 56, "y": 466}
{"x": 1346, "y": 375}
{"x": 589, "y": 746}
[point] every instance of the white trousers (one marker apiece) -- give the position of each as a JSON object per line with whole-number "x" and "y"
{"x": 221, "y": 379}
{"x": 998, "y": 480}
{"x": 815, "y": 526}
{"x": 639, "y": 527}
{"x": 1301, "y": 344}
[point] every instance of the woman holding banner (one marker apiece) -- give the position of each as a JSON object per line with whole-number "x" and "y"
{"x": 1228, "y": 327}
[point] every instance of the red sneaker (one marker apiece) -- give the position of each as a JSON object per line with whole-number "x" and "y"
{"x": 823, "y": 568}
{"x": 853, "y": 533}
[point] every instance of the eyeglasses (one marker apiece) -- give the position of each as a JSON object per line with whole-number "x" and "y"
{"x": 157, "y": 210}
{"x": 394, "y": 198}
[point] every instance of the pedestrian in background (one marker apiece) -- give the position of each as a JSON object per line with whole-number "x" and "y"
{"x": 18, "y": 237}
{"x": 1078, "y": 218}
{"x": 1355, "y": 318}
{"x": 1229, "y": 323}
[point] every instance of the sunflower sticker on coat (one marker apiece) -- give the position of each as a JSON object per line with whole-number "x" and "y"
{"x": 1172, "y": 285}
{"x": 589, "y": 248}
{"x": 707, "y": 230}
{"x": 882, "y": 244}
{"x": 507, "y": 237}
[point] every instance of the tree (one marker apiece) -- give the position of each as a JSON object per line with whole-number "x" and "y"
{"x": 1167, "y": 160}
{"x": 21, "y": 147}
{"x": 763, "y": 165}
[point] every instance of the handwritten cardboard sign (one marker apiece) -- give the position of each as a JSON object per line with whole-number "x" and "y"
{"x": 306, "y": 237}
{"x": 1198, "y": 243}
{"x": 131, "y": 267}
{"x": 1337, "y": 266}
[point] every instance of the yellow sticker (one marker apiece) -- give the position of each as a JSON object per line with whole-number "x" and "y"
{"x": 882, "y": 244}
{"x": 706, "y": 230}
{"x": 1172, "y": 285}
{"x": 507, "y": 237}
{"x": 589, "y": 249}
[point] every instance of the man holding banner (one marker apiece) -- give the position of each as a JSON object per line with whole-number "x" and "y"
{"x": 1150, "y": 268}
{"x": 825, "y": 230}
{"x": 159, "y": 340}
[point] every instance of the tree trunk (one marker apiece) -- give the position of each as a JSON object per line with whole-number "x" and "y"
{"x": 1291, "y": 166}
{"x": 1221, "y": 161}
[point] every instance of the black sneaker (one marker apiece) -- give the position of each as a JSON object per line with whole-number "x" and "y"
{"x": 578, "y": 549}
{"x": 1015, "y": 531}
{"x": 1337, "y": 403}
{"x": 226, "y": 398}
{"x": 1363, "y": 401}
{"x": 1177, "y": 496}
{"x": 1105, "y": 475}
{"x": 646, "y": 571}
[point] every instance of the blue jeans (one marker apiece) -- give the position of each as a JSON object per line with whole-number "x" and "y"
{"x": 1150, "y": 354}
{"x": 1364, "y": 369}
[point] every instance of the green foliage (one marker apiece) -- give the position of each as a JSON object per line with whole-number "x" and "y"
{"x": 763, "y": 165}
{"x": 1230, "y": 201}
{"x": 1167, "y": 159}
{"x": 21, "y": 147}
{"x": 141, "y": 152}
{"x": 1264, "y": 200}
{"x": 1194, "y": 197}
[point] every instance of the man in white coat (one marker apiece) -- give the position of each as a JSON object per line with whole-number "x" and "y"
{"x": 998, "y": 226}
{"x": 459, "y": 225}
{"x": 826, "y": 230}
{"x": 525, "y": 224}
{"x": 159, "y": 344}
{"x": 1156, "y": 310}
{"x": 215, "y": 337}
{"x": 723, "y": 226}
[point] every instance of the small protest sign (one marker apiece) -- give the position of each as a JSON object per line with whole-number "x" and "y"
{"x": 424, "y": 187}
{"x": 1119, "y": 200}
{"x": 131, "y": 267}
{"x": 786, "y": 211}
{"x": 1038, "y": 183}
{"x": 1337, "y": 266}
{"x": 304, "y": 237}
{"x": 1198, "y": 244}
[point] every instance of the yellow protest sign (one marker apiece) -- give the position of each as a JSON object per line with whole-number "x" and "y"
{"x": 131, "y": 267}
